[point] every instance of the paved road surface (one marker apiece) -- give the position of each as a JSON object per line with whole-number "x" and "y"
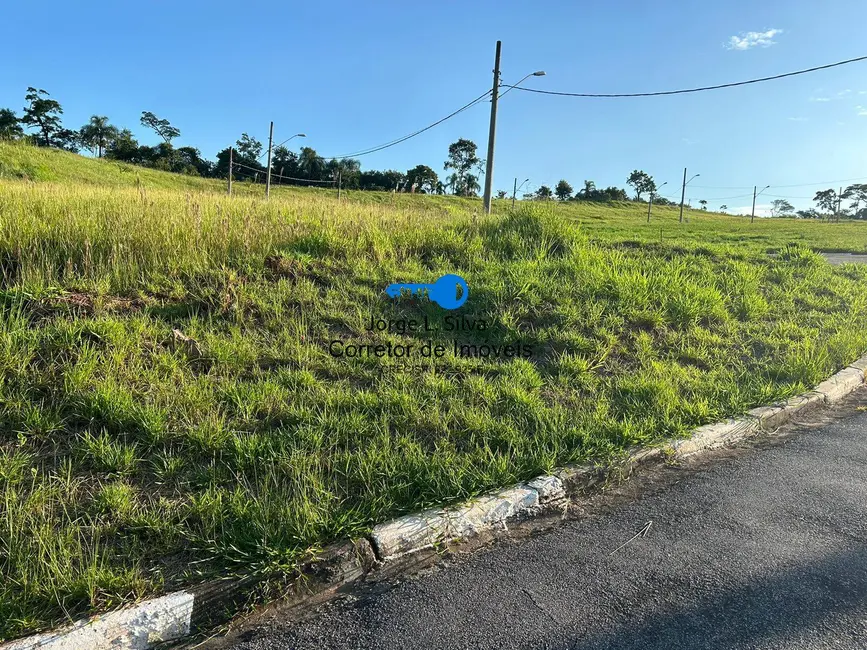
{"x": 845, "y": 258}
{"x": 763, "y": 548}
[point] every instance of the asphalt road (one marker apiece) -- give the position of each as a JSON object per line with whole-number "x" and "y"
{"x": 764, "y": 547}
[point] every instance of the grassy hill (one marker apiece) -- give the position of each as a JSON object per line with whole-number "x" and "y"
{"x": 177, "y": 400}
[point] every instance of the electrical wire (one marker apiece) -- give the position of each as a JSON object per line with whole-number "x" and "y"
{"x": 746, "y": 187}
{"x": 273, "y": 175}
{"x": 365, "y": 152}
{"x": 693, "y": 90}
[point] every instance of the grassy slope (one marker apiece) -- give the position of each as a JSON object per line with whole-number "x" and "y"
{"x": 130, "y": 464}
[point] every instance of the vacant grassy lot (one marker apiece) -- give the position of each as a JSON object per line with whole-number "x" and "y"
{"x": 133, "y": 460}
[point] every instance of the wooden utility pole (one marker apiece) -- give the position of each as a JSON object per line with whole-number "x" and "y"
{"x": 649, "y": 207}
{"x": 682, "y": 194}
{"x": 339, "y": 182}
{"x": 268, "y": 176}
{"x": 514, "y": 192}
{"x": 492, "y": 133}
{"x": 230, "y": 170}
{"x": 753, "y": 213}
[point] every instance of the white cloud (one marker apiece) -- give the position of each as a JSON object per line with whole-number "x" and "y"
{"x": 748, "y": 40}
{"x": 862, "y": 92}
{"x": 689, "y": 141}
{"x": 861, "y": 111}
{"x": 797, "y": 119}
{"x": 843, "y": 93}
{"x": 820, "y": 99}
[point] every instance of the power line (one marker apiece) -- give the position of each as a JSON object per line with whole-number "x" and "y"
{"x": 414, "y": 134}
{"x": 746, "y": 187}
{"x": 273, "y": 175}
{"x": 693, "y": 90}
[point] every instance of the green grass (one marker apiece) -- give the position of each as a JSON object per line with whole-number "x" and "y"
{"x": 131, "y": 463}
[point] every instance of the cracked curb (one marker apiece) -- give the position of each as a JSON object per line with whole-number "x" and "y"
{"x": 175, "y": 615}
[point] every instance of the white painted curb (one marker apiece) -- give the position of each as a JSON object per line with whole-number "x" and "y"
{"x": 135, "y": 628}
{"x": 167, "y": 618}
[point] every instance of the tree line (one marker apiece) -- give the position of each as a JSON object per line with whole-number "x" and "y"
{"x": 42, "y": 116}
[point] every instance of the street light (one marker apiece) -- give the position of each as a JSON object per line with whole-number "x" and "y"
{"x": 683, "y": 191}
{"x": 753, "y": 213}
{"x": 517, "y": 187}
{"x": 538, "y": 73}
{"x": 650, "y": 205}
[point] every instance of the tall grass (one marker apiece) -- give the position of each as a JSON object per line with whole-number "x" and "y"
{"x": 131, "y": 463}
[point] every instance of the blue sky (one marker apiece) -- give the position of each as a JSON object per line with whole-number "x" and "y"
{"x": 356, "y": 74}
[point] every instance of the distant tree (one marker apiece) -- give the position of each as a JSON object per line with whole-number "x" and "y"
{"x": 809, "y": 213}
{"x": 161, "y": 127}
{"x": 563, "y": 190}
{"x": 310, "y": 164}
{"x": 780, "y": 207}
{"x": 587, "y": 192}
{"x": 858, "y": 195}
{"x": 67, "y": 139}
{"x": 611, "y": 194}
{"x": 10, "y": 125}
{"x": 96, "y": 134}
{"x": 248, "y": 147}
{"x": 641, "y": 182}
{"x": 703, "y": 204}
{"x": 463, "y": 159}
{"x": 423, "y": 178}
{"x": 346, "y": 170}
{"x": 123, "y": 147}
{"x": 826, "y": 200}
{"x": 43, "y": 114}
{"x": 188, "y": 160}
{"x": 285, "y": 163}
{"x": 502, "y": 194}
{"x": 723, "y": 208}
{"x": 544, "y": 193}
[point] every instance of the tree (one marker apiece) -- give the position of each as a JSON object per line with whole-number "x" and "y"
{"x": 124, "y": 147}
{"x": 587, "y": 192}
{"x": 723, "y": 208}
{"x": 502, "y": 194}
{"x": 67, "y": 139}
{"x": 563, "y": 190}
{"x": 423, "y": 178}
{"x": 162, "y": 127}
{"x": 463, "y": 159}
{"x": 809, "y": 213}
{"x": 10, "y": 125}
{"x": 96, "y": 134}
{"x": 641, "y": 182}
{"x": 857, "y": 194}
{"x": 780, "y": 207}
{"x": 310, "y": 164}
{"x": 42, "y": 114}
{"x": 544, "y": 193}
{"x": 285, "y": 163}
{"x": 703, "y": 204}
{"x": 826, "y": 200}
{"x": 248, "y": 147}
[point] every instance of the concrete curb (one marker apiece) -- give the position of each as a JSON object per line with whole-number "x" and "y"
{"x": 175, "y": 615}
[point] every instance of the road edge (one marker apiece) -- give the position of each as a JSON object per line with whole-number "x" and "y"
{"x": 392, "y": 544}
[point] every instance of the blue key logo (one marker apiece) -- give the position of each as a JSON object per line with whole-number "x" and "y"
{"x": 449, "y": 292}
